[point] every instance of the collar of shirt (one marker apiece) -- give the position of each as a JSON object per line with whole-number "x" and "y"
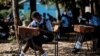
{"x": 39, "y": 22}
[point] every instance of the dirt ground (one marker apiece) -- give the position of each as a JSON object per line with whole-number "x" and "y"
{"x": 65, "y": 48}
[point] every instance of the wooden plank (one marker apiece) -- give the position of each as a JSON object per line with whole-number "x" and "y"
{"x": 26, "y": 31}
{"x": 83, "y": 28}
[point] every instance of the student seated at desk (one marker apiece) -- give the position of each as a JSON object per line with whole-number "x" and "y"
{"x": 65, "y": 24}
{"x": 44, "y": 36}
{"x": 93, "y": 21}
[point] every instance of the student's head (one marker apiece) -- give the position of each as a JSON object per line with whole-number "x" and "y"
{"x": 87, "y": 15}
{"x": 69, "y": 13}
{"x": 36, "y": 15}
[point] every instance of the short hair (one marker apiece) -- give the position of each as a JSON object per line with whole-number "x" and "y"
{"x": 35, "y": 14}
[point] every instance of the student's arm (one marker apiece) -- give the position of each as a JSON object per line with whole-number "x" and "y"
{"x": 32, "y": 24}
{"x": 49, "y": 26}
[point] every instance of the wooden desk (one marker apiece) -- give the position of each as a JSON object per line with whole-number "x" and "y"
{"x": 25, "y": 31}
{"x": 25, "y": 34}
{"x": 83, "y": 28}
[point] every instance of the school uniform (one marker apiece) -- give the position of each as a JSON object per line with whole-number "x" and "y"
{"x": 92, "y": 21}
{"x": 44, "y": 37}
{"x": 95, "y": 21}
{"x": 65, "y": 25}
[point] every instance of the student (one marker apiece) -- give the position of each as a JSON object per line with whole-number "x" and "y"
{"x": 65, "y": 24}
{"x": 44, "y": 36}
{"x": 95, "y": 22}
{"x": 91, "y": 20}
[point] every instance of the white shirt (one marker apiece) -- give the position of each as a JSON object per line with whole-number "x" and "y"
{"x": 35, "y": 23}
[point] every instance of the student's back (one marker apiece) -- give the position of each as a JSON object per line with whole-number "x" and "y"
{"x": 65, "y": 24}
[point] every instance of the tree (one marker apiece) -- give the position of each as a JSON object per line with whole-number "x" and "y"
{"x": 5, "y": 4}
{"x": 72, "y": 4}
{"x": 97, "y": 5}
{"x": 16, "y": 16}
{"x": 59, "y": 17}
{"x": 32, "y": 7}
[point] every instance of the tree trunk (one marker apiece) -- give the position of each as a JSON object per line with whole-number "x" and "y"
{"x": 59, "y": 17}
{"x": 92, "y": 6}
{"x": 97, "y": 5}
{"x": 74, "y": 11}
{"x": 32, "y": 7}
{"x": 16, "y": 16}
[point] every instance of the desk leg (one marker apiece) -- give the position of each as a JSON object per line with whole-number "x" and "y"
{"x": 87, "y": 45}
{"x": 57, "y": 45}
{"x": 79, "y": 40}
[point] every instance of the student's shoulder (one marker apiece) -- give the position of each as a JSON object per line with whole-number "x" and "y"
{"x": 34, "y": 21}
{"x": 95, "y": 17}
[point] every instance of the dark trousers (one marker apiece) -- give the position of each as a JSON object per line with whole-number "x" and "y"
{"x": 97, "y": 36}
{"x": 64, "y": 30}
{"x": 44, "y": 37}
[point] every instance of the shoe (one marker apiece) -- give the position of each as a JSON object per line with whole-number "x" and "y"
{"x": 22, "y": 54}
{"x": 44, "y": 54}
{"x": 78, "y": 45}
{"x": 75, "y": 50}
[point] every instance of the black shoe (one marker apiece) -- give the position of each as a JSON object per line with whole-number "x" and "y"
{"x": 75, "y": 50}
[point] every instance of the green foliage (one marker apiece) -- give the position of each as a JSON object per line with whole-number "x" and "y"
{"x": 3, "y": 13}
{"x": 27, "y": 16}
